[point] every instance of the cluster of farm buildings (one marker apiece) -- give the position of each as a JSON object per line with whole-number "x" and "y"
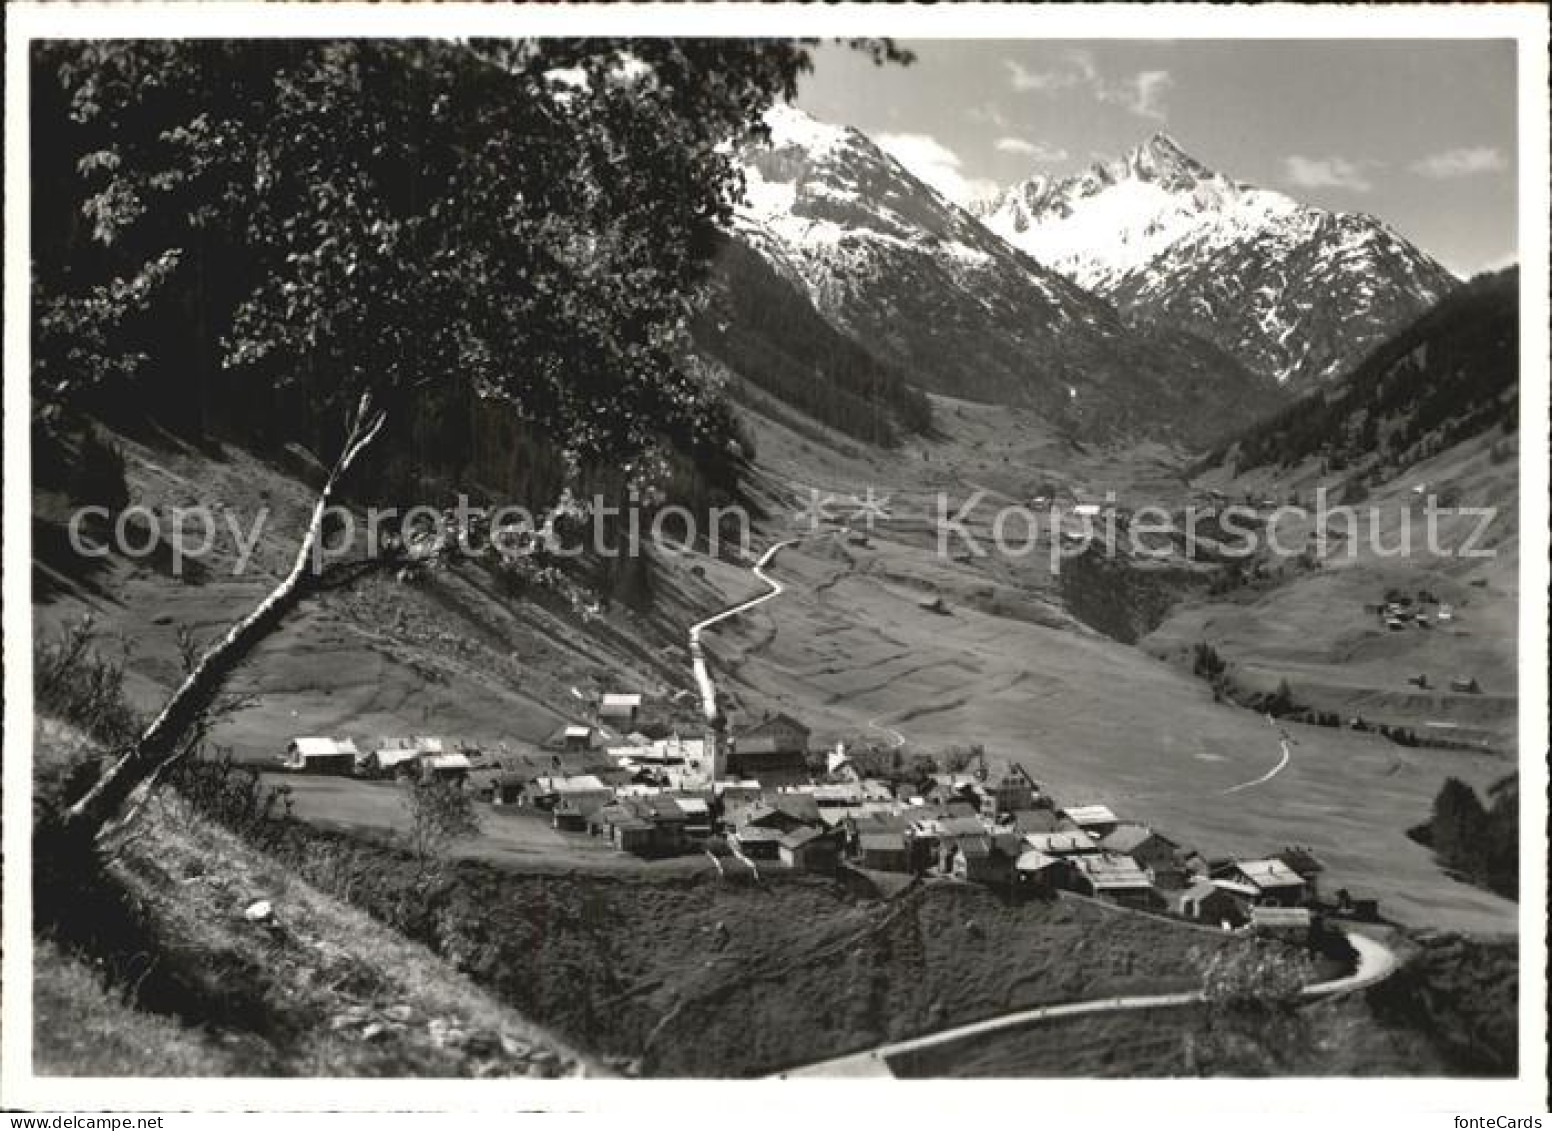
{"x": 760, "y": 799}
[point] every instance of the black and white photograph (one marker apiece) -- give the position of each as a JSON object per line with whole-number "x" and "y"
{"x": 555, "y": 548}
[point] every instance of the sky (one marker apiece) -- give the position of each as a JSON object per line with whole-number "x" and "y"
{"x": 1420, "y": 133}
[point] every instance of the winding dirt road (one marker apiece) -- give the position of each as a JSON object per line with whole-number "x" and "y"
{"x": 1375, "y": 963}
{"x": 703, "y": 681}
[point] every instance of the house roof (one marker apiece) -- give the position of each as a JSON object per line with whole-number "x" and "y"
{"x": 1109, "y": 871}
{"x": 1032, "y": 861}
{"x": 1061, "y": 843}
{"x": 1271, "y": 873}
{"x": 496, "y": 776}
{"x": 448, "y": 761}
{"x": 578, "y": 731}
{"x": 1089, "y": 814}
{"x": 962, "y": 826}
{"x": 583, "y": 804}
{"x": 991, "y": 844}
{"x": 1034, "y": 820}
{"x": 1129, "y": 838}
{"x": 620, "y": 700}
{"x": 1280, "y": 916}
{"x": 663, "y": 808}
{"x": 581, "y": 783}
{"x": 798, "y": 838}
{"x": 874, "y": 822}
{"x": 321, "y": 746}
{"x": 802, "y": 806}
{"x": 1234, "y": 888}
{"x": 881, "y": 842}
{"x": 386, "y": 758}
{"x": 757, "y": 834}
{"x": 1199, "y": 890}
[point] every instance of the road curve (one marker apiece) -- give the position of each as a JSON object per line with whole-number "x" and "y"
{"x": 703, "y": 682}
{"x": 1285, "y": 743}
{"x": 1375, "y": 963}
{"x": 896, "y": 739}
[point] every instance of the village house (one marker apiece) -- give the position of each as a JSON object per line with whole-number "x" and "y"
{"x": 758, "y": 842}
{"x": 773, "y": 751}
{"x": 985, "y": 858}
{"x": 697, "y": 815}
{"x": 320, "y": 755}
{"x": 1038, "y": 872}
{"x": 571, "y": 812}
{"x": 810, "y": 850}
{"x": 1291, "y": 924}
{"x": 733, "y": 798}
{"x": 1013, "y": 791}
{"x": 390, "y": 762}
{"x": 574, "y": 738}
{"x": 1062, "y": 845}
{"x": 549, "y": 790}
{"x": 619, "y": 710}
{"x": 946, "y": 788}
{"x": 1269, "y": 883}
{"x": 1153, "y": 852}
{"x": 1303, "y": 860}
{"x": 1096, "y": 820}
{"x": 1024, "y": 821}
{"x": 947, "y": 831}
{"x": 1207, "y": 902}
{"x": 1115, "y": 878}
{"x": 783, "y": 811}
{"x": 638, "y": 826}
{"x": 452, "y": 767}
{"x": 883, "y": 850}
{"x": 497, "y": 785}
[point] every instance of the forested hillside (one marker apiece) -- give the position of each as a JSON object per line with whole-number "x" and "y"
{"x": 768, "y": 333}
{"x": 1450, "y": 375}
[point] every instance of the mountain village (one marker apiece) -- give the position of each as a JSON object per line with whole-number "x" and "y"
{"x": 762, "y": 798}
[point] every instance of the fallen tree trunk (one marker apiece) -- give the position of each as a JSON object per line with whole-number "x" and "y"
{"x": 162, "y": 742}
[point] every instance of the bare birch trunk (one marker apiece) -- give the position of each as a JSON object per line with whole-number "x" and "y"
{"x": 163, "y": 740}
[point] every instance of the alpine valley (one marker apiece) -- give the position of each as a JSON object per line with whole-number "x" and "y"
{"x": 905, "y": 665}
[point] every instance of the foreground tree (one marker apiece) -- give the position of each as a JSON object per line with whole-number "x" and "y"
{"x": 366, "y": 223}
{"x": 441, "y": 813}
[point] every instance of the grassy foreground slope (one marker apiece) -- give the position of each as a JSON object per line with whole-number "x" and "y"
{"x": 161, "y": 971}
{"x": 693, "y": 975}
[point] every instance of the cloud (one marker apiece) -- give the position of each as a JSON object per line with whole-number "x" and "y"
{"x": 1328, "y": 172}
{"x": 935, "y": 163}
{"x": 1038, "y": 151}
{"x": 1141, "y": 94}
{"x": 1463, "y": 162}
{"x": 988, "y": 114}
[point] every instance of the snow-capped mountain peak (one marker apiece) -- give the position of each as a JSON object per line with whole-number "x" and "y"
{"x": 926, "y": 287}
{"x": 1116, "y": 216}
{"x": 1157, "y": 231}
